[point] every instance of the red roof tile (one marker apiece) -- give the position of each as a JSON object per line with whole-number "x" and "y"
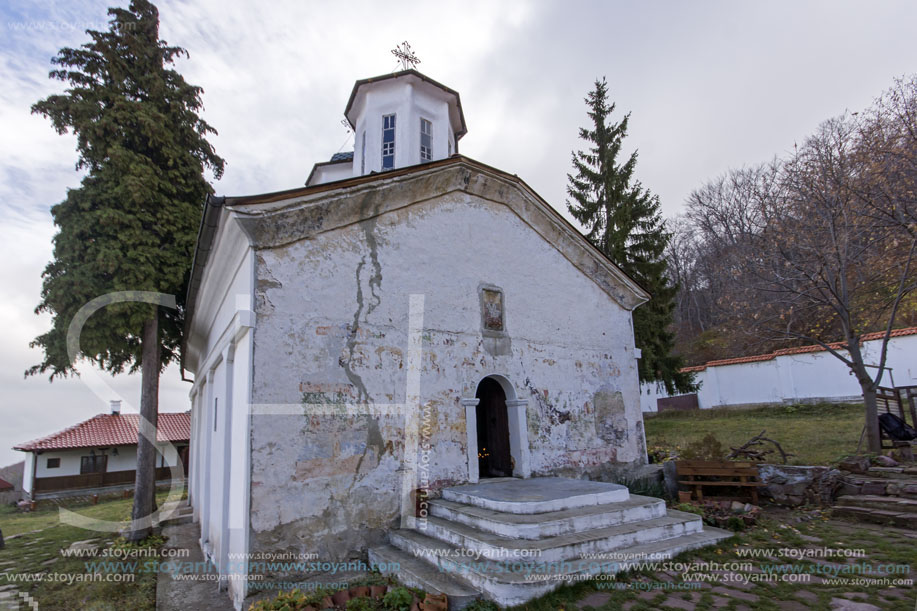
{"x": 5, "y": 485}
{"x": 798, "y": 350}
{"x": 111, "y": 430}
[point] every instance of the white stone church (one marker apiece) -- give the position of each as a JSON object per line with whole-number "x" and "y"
{"x": 413, "y": 319}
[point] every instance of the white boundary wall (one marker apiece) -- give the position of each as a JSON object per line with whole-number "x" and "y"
{"x": 793, "y": 378}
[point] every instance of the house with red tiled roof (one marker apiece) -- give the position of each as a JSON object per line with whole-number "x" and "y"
{"x": 101, "y": 453}
{"x": 804, "y": 374}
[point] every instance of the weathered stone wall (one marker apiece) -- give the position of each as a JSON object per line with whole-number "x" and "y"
{"x": 797, "y": 485}
{"x": 332, "y": 327}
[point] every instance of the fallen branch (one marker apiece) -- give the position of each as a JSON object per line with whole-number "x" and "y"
{"x": 747, "y": 449}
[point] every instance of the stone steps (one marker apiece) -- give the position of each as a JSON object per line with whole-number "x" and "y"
{"x": 509, "y": 582}
{"x": 513, "y": 540}
{"x": 417, "y": 573}
{"x": 562, "y": 547}
{"x": 893, "y": 472}
{"x": 877, "y": 516}
{"x": 897, "y": 511}
{"x": 878, "y": 502}
{"x": 872, "y": 486}
{"x": 549, "y": 524}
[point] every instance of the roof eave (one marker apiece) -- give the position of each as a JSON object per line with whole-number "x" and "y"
{"x": 637, "y": 293}
{"x": 210, "y": 221}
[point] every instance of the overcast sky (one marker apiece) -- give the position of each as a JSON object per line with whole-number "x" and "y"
{"x": 710, "y": 85}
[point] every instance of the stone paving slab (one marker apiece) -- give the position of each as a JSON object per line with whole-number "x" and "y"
{"x": 738, "y": 594}
{"x": 842, "y": 604}
{"x": 175, "y": 595}
{"x": 679, "y": 603}
{"x": 596, "y": 599}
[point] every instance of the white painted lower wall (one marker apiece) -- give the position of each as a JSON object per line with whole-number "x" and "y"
{"x": 219, "y": 474}
{"x": 794, "y": 378}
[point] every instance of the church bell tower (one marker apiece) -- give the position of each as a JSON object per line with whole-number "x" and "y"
{"x": 399, "y": 120}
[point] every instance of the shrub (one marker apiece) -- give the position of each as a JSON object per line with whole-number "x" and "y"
{"x": 690, "y": 508}
{"x": 708, "y": 448}
{"x": 287, "y": 601}
{"x": 398, "y": 599}
{"x": 660, "y": 453}
{"x": 361, "y": 603}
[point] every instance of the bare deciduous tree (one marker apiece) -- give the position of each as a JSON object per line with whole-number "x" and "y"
{"x": 818, "y": 248}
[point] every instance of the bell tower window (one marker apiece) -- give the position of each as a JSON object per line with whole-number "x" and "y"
{"x": 388, "y": 142}
{"x": 426, "y": 140}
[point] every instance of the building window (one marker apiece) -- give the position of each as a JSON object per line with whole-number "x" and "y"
{"x": 426, "y": 140}
{"x": 53, "y": 463}
{"x": 363, "y": 155}
{"x": 93, "y": 464}
{"x": 388, "y": 142}
{"x": 216, "y": 411}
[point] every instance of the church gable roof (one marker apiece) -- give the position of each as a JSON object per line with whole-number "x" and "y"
{"x": 275, "y": 219}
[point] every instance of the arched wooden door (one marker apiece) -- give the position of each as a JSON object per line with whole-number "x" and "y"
{"x": 494, "y": 459}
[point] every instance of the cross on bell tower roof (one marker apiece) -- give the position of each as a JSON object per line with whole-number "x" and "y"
{"x": 406, "y": 56}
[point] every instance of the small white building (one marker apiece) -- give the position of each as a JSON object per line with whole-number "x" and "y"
{"x": 795, "y": 375}
{"x": 410, "y": 319}
{"x": 100, "y": 453}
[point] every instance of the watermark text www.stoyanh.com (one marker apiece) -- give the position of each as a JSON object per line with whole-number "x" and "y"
{"x": 55, "y": 25}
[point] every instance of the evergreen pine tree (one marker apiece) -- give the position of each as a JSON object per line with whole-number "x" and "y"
{"x": 623, "y": 220}
{"x": 132, "y": 223}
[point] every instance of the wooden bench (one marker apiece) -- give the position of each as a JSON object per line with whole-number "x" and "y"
{"x": 699, "y": 474}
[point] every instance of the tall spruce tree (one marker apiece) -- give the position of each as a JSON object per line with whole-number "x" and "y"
{"x": 623, "y": 220}
{"x": 132, "y": 223}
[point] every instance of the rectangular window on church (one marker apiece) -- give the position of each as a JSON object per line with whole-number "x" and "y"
{"x": 388, "y": 142}
{"x": 426, "y": 140}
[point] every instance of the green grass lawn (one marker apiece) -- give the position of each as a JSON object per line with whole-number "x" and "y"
{"x": 816, "y": 434}
{"x": 37, "y": 551}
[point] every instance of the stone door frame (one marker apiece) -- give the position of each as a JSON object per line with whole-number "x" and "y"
{"x": 518, "y": 430}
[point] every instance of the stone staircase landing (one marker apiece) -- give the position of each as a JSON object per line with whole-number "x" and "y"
{"x": 511, "y": 540}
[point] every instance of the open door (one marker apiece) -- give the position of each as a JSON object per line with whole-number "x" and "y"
{"x": 494, "y": 459}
